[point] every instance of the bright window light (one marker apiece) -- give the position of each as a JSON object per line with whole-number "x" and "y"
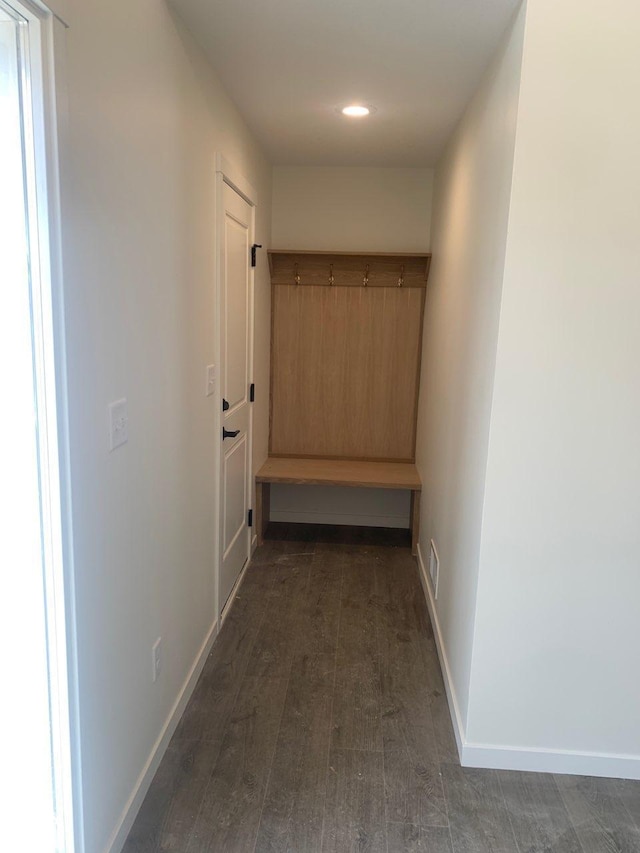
{"x": 34, "y": 792}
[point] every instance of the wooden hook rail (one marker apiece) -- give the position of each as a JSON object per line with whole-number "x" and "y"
{"x": 348, "y": 269}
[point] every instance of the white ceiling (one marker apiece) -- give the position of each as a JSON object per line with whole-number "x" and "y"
{"x": 288, "y": 64}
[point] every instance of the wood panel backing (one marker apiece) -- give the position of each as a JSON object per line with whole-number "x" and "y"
{"x": 345, "y": 371}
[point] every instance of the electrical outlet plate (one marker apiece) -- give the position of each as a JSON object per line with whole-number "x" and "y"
{"x": 434, "y": 568}
{"x": 211, "y": 380}
{"x": 156, "y": 659}
{"x": 118, "y": 423}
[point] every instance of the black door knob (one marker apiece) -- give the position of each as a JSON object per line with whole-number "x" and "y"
{"x": 229, "y": 433}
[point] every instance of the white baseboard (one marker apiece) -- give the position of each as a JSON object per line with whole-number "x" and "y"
{"x": 502, "y": 757}
{"x": 141, "y": 787}
{"x": 351, "y": 519}
{"x": 573, "y": 763}
{"x": 454, "y": 708}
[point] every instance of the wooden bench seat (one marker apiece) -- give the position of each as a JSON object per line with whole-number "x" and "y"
{"x": 337, "y": 472}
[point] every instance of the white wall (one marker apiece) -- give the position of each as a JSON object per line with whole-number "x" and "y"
{"x": 558, "y": 628}
{"x": 351, "y": 209}
{"x": 470, "y": 211}
{"x": 341, "y": 505}
{"x": 348, "y": 209}
{"x": 146, "y": 117}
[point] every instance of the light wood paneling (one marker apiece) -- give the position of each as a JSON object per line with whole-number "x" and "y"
{"x": 345, "y": 371}
{"x": 340, "y": 472}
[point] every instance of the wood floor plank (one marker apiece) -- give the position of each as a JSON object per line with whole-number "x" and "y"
{"x": 169, "y": 811}
{"x": 478, "y": 816}
{"x": 274, "y": 646}
{"x": 248, "y": 763}
{"x": 360, "y": 609}
{"x": 294, "y": 805}
{"x": 356, "y": 721}
{"x": 281, "y": 552}
{"x": 356, "y": 701}
{"x": 320, "y": 610}
{"x": 445, "y": 739}
{"x": 538, "y": 815}
{"x": 413, "y": 786}
{"x": 231, "y": 807}
{"x": 404, "y": 606}
{"x": 354, "y": 809}
{"x": 601, "y": 820}
{"x": 627, "y": 791}
{"x": 405, "y": 838}
{"x": 208, "y": 709}
{"x": 405, "y": 687}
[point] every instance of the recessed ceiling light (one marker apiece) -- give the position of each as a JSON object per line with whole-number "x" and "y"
{"x": 356, "y": 111}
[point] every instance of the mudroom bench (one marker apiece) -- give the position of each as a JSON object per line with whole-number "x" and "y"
{"x": 337, "y": 472}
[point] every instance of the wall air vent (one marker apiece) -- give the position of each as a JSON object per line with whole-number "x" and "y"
{"x": 434, "y": 568}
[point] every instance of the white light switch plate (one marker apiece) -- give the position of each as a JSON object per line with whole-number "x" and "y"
{"x": 211, "y": 380}
{"x": 118, "y": 424}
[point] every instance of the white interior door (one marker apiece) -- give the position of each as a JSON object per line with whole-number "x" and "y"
{"x": 236, "y": 309}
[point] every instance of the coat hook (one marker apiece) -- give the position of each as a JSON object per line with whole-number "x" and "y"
{"x": 365, "y": 281}
{"x": 401, "y": 279}
{"x": 296, "y": 275}
{"x": 331, "y": 278}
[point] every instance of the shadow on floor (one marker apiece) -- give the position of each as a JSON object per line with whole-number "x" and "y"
{"x": 338, "y": 534}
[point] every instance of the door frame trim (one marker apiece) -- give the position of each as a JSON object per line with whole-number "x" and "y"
{"x": 236, "y": 180}
{"x": 227, "y": 173}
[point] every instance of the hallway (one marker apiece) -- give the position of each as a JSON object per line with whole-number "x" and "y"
{"x": 320, "y": 722}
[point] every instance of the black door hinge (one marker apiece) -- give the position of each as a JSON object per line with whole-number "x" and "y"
{"x": 253, "y": 253}
{"x": 250, "y": 518}
{"x": 225, "y": 405}
{"x": 252, "y": 393}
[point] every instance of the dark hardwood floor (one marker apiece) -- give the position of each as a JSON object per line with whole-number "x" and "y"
{"x": 320, "y": 724}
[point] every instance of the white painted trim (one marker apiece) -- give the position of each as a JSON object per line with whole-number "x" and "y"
{"x": 503, "y": 757}
{"x": 217, "y": 347}
{"x": 454, "y": 708}
{"x": 236, "y": 179}
{"x": 130, "y": 811}
{"x": 551, "y": 761}
{"x": 58, "y": 8}
{"x": 311, "y": 517}
{"x": 55, "y": 108}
